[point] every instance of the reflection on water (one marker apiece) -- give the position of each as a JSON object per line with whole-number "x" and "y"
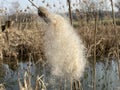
{"x": 106, "y": 78}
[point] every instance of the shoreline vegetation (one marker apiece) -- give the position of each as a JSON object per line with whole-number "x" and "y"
{"x": 26, "y": 40}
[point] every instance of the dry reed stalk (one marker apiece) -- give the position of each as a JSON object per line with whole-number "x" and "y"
{"x": 94, "y": 62}
{"x": 116, "y": 36}
{"x": 92, "y": 46}
{"x": 40, "y": 84}
{"x": 60, "y": 84}
{"x": 1, "y": 57}
{"x": 27, "y": 78}
{"x": 71, "y": 82}
{"x": 65, "y": 85}
{"x": 74, "y": 85}
{"x": 70, "y": 12}
{"x": 27, "y": 83}
{"x": 77, "y": 85}
{"x": 33, "y": 3}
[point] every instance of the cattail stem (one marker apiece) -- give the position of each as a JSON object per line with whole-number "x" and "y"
{"x": 33, "y": 4}
{"x": 71, "y": 82}
{"x": 70, "y": 12}
{"x": 65, "y": 86}
{"x": 94, "y": 62}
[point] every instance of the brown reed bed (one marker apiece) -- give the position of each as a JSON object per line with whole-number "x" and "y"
{"x": 21, "y": 43}
{"x": 105, "y": 40}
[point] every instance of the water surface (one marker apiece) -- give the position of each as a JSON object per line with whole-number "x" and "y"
{"x": 106, "y": 76}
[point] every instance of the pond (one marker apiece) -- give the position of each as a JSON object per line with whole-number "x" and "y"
{"x": 106, "y": 76}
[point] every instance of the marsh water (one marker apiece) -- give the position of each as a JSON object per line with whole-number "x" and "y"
{"x": 106, "y": 76}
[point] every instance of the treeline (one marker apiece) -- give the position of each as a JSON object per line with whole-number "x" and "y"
{"x": 90, "y": 15}
{"x": 23, "y": 17}
{"x": 21, "y": 20}
{"x": 77, "y": 15}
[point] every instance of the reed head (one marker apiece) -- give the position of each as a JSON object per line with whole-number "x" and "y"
{"x": 43, "y": 13}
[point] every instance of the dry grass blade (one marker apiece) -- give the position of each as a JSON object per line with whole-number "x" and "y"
{"x": 77, "y": 85}
{"x": 40, "y": 84}
{"x": 27, "y": 82}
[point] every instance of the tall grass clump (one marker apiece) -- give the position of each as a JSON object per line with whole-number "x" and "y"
{"x": 21, "y": 44}
{"x": 63, "y": 48}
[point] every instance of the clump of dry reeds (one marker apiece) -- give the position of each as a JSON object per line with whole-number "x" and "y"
{"x": 23, "y": 42}
{"x": 105, "y": 40}
{"x": 40, "y": 85}
{"x": 19, "y": 44}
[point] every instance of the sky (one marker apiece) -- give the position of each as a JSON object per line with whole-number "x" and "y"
{"x": 53, "y": 5}
{"x": 24, "y": 3}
